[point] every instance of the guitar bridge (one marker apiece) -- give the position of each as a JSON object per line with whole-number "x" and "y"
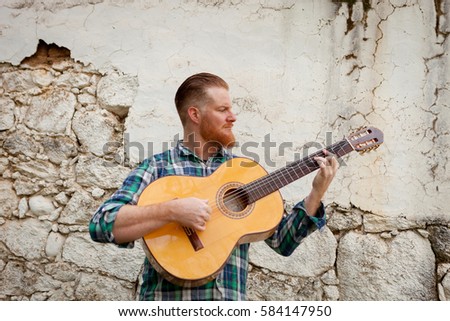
{"x": 193, "y": 238}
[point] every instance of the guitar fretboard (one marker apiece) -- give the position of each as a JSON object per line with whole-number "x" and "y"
{"x": 290, "y": 173}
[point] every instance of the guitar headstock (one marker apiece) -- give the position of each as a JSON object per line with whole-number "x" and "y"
{"x": 366, "y": 139}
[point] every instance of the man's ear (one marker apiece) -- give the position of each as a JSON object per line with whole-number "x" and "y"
{"x": 194, "y": 114}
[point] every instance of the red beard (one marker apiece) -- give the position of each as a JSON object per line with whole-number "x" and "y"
{"x": 224, "y": 136}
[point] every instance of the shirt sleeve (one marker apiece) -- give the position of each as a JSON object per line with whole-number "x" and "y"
{"x": 102, "y": 222}
{"x": 294, "y": 227}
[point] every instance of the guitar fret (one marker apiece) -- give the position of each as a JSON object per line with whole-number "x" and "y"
{"x": 290, "y": 176}
{"x": 280, "y": 177}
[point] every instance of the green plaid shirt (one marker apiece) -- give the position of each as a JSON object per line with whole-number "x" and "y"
{"x": 230, "y": 284}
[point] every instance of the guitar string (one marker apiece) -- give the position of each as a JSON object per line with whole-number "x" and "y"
{"x": 268, "y": 181}
{"x": 270, "y": 178}
{"x": 265, "y": 180}
{"x": 305, "y": 166}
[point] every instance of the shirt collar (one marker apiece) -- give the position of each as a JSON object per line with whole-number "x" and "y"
{"x": 184, "y": 151}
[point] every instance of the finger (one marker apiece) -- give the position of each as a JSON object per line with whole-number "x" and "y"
{"x": 328, "y": 154}
{"x": 200, "y": 227}
{"x": 321, "y": 161}
{"x": 205, "y": 212}
{"x": 328, "y": 159}
{"x": 206, "y": 204}
{"x": 335, "y": 163}
{"x": 208, "y": 210}
{"x": 331, "y": 159}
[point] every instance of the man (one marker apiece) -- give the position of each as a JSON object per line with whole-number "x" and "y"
{"x": 205, "y": 110}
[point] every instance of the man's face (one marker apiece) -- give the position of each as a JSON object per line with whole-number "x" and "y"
{"x": 217, "y": 118}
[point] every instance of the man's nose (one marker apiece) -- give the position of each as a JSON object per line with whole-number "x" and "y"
{"x": 232, "y": 117}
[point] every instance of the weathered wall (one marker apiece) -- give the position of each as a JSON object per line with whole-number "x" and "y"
{"x": 101, "y": 83}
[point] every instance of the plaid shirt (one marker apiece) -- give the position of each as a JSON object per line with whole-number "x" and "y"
{"x": 230, "y": 284}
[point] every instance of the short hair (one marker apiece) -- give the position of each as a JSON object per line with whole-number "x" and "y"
{"x": 192, "y": 92}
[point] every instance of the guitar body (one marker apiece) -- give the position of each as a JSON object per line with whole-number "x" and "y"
{"x": 188, "y": 262}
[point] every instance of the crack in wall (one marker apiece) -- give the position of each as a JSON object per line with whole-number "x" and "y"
{"x": 438, "y": 5}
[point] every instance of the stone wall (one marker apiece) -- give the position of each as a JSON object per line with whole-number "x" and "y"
{"x": 86, "y": 91}
{"x": 57, "y": 115}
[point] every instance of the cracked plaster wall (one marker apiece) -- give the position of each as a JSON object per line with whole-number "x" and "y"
{"x": 309, "y": 71}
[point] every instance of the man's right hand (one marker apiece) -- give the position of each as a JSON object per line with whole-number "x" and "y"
{"x": 190, "y": 212}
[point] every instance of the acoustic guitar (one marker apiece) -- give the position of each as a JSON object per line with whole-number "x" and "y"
{"x": 246, "y": 207}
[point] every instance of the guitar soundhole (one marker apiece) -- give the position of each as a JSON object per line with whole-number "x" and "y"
{"x": 236, "y": 200}
{"x": 233, "y": 201}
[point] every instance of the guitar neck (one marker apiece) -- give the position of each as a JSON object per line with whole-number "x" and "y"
{"x": 292, "y": 172}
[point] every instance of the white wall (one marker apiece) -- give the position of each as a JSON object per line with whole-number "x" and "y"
{"x": 297, "y": 71}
